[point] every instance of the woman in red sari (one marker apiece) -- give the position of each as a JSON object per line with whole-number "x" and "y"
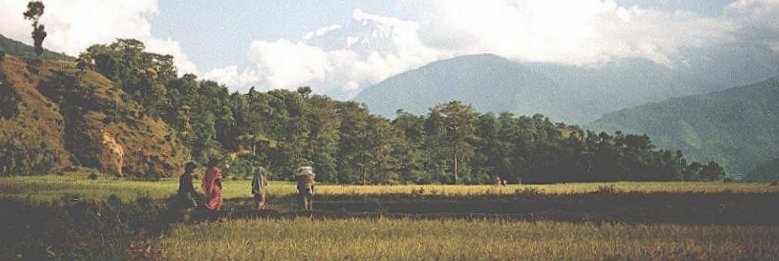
{"x": 212, "y": 186}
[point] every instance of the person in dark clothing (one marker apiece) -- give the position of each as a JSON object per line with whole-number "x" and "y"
{"x": 188, "y": 198}
{"x": 185, "y": 181}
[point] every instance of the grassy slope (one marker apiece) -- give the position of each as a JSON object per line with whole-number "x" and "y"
{"x": 147, "y": 142}
{"x": 39, "y": 119}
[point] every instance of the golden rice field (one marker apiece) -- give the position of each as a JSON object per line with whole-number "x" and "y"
{"x": 321, "y": 237}
{"x": 407, "y": 239}
{"x": 54, "y": 187}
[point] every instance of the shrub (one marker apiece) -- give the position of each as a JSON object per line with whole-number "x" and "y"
{"x": 74, "y": 229}
{"x": 9, "y": 100}
{"x": 19, "y": 159}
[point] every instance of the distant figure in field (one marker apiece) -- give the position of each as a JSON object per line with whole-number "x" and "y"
{"x": 212, "y": 186}
{"x": 305, "y": 176}
{"x": 259, "y": 182}
{"x": 498, "y": 181}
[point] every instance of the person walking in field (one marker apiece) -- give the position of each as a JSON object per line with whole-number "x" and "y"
{"x": 305, "y": 176}
{"x": 188, "y": 198}
{"x": 186, "y": 188}
{"x": 259, "y": 182}
{"x": 185, "y": 181}
{"x": 212, "y": 186}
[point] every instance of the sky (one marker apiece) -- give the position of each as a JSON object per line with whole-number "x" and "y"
{"x": 340, "y": 47}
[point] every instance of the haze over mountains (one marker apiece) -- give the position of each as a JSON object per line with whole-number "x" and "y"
{"x": 574, "y": 94}
{"x": 737, "y": 127}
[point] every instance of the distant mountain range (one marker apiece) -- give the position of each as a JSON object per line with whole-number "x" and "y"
{"x": 488, "y": 82}
{"x": 737, "y": 127}
{"x": 19, "y": 49}
{"x": 573, "y": 94}
{"x": 565, "y": 93}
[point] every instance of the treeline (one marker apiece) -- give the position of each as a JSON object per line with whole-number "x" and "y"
{"x": 282, "y": 129}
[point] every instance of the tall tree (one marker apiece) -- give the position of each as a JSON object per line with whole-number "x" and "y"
{"x": 458, "y": 127}
{"x": 33, "y": 13}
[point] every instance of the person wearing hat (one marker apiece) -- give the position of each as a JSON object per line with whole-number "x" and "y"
{"x": 259, "y": 182}
{"x": 212, "y": 185}
{"x": 305, "y": 176}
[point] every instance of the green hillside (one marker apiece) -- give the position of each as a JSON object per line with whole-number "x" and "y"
{"x": 50, "y": 117}
{"x": 19, "y": 49}
{"x": 736, "y": 127}
{"x": 123, "y": 110}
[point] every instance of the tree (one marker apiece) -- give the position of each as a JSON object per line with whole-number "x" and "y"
{"x": 304, "y": 91}
{"x": 33, "y": 13}
{"x": 409, "y": 148}
{"x": 458, "y": 127}
{"x": 712, "y": 171}
{"x": 487, "y": 153}
{"x": 353, "y": 149}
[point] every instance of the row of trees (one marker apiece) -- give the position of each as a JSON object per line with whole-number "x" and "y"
{"x": 282, "y": 129}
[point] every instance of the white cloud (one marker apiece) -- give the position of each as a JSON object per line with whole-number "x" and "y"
{"x": 322, "y": 31}
{"x": 758, "y": 20}
{"x": 287, "y": 64}
{"x": 340, "y": 59}
{"x": 766, "y": 11}
{"x": 564, "y": 31}
{"x": 230, "y": 76}
{"x": 74, "y": 25}
{"x": 335, "y": 59}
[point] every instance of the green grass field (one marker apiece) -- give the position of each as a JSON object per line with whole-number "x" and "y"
{"x": 54, "y": 187}
{"x": 620, "y": 233}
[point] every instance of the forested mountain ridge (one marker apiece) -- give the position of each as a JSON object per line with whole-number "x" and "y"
{"x": 119, "y": 95}
{"x": 736, "y": 127}
{"x": 488, "y": 82}
{"x": 572, "y": 93}
{"x": 577, "y": 94}
{"x": 19, "y": 49}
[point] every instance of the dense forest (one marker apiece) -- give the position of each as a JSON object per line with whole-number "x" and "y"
{"x": 283, "y": 129}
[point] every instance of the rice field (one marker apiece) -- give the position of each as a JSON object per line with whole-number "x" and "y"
{"x": 54, "y": 187}
{"x": 662, "y": 221}
{"x": 409, "y": 239}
